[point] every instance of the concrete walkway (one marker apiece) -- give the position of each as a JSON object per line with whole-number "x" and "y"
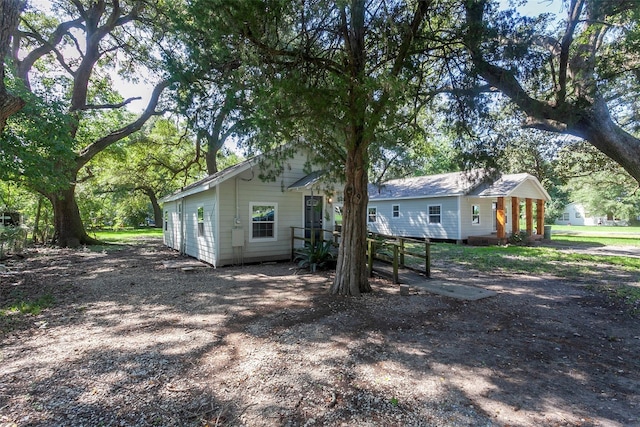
{"x": 449, "y": 288}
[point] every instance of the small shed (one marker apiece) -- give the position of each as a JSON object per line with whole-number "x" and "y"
{"x": 457, "y": 206}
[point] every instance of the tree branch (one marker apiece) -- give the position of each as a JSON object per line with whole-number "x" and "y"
{"x": 110, "y": 106}
{"x": 90, "y": 151}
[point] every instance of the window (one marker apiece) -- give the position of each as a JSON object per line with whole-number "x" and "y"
{"x": 434, "y": 214}
{"x": 395, "y": 211}
{"x": 166, "y": 220}
{"x": 373, "y": 214}
{"x": 578, "y": 215}
{"x": 475, "y": 215}
{"x": 565, "y": 216}
{"x": 200, "y": 221}
{"x": 263, "y": 221}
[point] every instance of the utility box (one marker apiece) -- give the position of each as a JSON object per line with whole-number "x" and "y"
{"x": 237, "y": 237}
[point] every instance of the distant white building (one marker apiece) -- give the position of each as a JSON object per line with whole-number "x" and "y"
{"x": 576, "y": 214}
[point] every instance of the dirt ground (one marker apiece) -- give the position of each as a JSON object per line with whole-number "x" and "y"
{"x": 129, "y": 342}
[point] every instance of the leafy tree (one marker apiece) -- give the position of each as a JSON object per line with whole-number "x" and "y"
{"x": 580, "y": 80}
{"x": 63, "y": 64}
{"x": 334, "y": 76}
{"x": 600, "y": 184}
{"x": 156, "y": 161}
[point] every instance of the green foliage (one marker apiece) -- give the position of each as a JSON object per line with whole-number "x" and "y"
{"x": 28, "y": 157}
{"x": 12, "y": 239}
{"x": 601, "y": 185}
{"x": 320, "y": 255}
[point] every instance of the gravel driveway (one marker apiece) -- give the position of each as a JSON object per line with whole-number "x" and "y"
{"x": 130, "y": 342}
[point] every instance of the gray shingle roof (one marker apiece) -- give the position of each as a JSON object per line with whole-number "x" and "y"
{"x": 477, "y": 182}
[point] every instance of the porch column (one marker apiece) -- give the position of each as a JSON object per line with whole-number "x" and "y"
{"x": 501, "y": 218}
{"x": 529, "y": 205}
{"x": 515, "y": 215}
{"x": 540, "y": 217}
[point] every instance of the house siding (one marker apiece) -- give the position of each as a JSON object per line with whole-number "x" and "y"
{"x": 413, "y": 219}
{"x": 172, "y": 234}
{"x": 201, "y": 247}
{"x": 486, "y": 225}
{"x": 250, "y": 189}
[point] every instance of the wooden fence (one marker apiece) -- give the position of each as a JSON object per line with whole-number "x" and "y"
{"x": 394, "y": 250}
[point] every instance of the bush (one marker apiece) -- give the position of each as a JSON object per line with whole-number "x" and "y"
{"x": 12, "y": 239}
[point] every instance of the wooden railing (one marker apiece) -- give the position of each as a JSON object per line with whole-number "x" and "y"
{"x": 377, "y": 245}
{"x": 394, "y": 250}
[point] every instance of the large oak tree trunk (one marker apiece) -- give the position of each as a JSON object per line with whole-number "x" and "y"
{"x": 351, "y": 270}
{"x": 157, "y": 210}
{"x": 9, "y": 14}
{"x": 69, "y": 229}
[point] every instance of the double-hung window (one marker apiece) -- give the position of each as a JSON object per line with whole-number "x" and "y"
{"x": 475, "y": 215}
{"x": 263, "y": 221}
{"x": 372, "y": 214}
{"x": 395, "y": 211}
{"x": 200, "y": 221}
{"x": 435, "y": 214}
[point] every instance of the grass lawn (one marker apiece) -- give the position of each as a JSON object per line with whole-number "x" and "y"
{"x": 125, "y": 236}
{"x": 595, "y": 230}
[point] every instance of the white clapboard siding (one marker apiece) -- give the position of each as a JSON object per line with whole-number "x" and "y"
{"x": 236, "y": 213}
{"x": 413, "y": 219}
{"x": 201, "y": 247}
{"x": 486, "y": 225}
{"x": 172, "y": 229}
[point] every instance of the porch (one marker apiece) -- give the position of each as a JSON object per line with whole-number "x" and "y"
{"x": 501, "y": 235}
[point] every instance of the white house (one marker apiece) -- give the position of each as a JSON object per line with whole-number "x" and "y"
{"x": 457, "y": 206}
{"x": 575, "y": 214}
{"x": 234, "y": 216}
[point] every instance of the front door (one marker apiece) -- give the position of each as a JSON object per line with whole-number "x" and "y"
{"x": 313, "y": 217}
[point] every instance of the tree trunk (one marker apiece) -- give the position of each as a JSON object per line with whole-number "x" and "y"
{"x": 37, "y": 220}
{"x": 351, "y": 270}
{"x": 157, "y": 210}
{"x": 69, "y": 230}
{"x": 9, "y": 15}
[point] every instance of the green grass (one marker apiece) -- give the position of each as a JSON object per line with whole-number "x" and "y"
{"x": 29, "y": 307}
{"x": 126, "y": 236}
{"x": 596, "y": 240}
{"x": 595, "y": 230}
{"x": 529, "y": 260}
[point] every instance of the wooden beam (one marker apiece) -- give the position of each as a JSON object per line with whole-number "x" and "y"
{"x": 529, "y": 214}
{"x": 540, "y": 217}
{"x": 515, "y": 215}
{"x": 501, "y": 218}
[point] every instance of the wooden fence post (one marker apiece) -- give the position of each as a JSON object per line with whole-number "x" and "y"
{"x": 427, "y": 253}
{"x": 395, "y": 263}
{"x": 401, "y": 240}
{"x": 370, "y": 249}
{"x": 293, "y": 235}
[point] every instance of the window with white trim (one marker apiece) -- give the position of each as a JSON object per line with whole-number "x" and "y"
{"x": 435, "y": 216}
{"x": 395, "y": 211}
{"x": 565, "y": 216}
{"x": 200, "y": 221}
{"x": 578, "y": 215}
{"x": 372, "y": 214}
{"x": 475, "y": 215}
{"x": 263, "y": 221}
